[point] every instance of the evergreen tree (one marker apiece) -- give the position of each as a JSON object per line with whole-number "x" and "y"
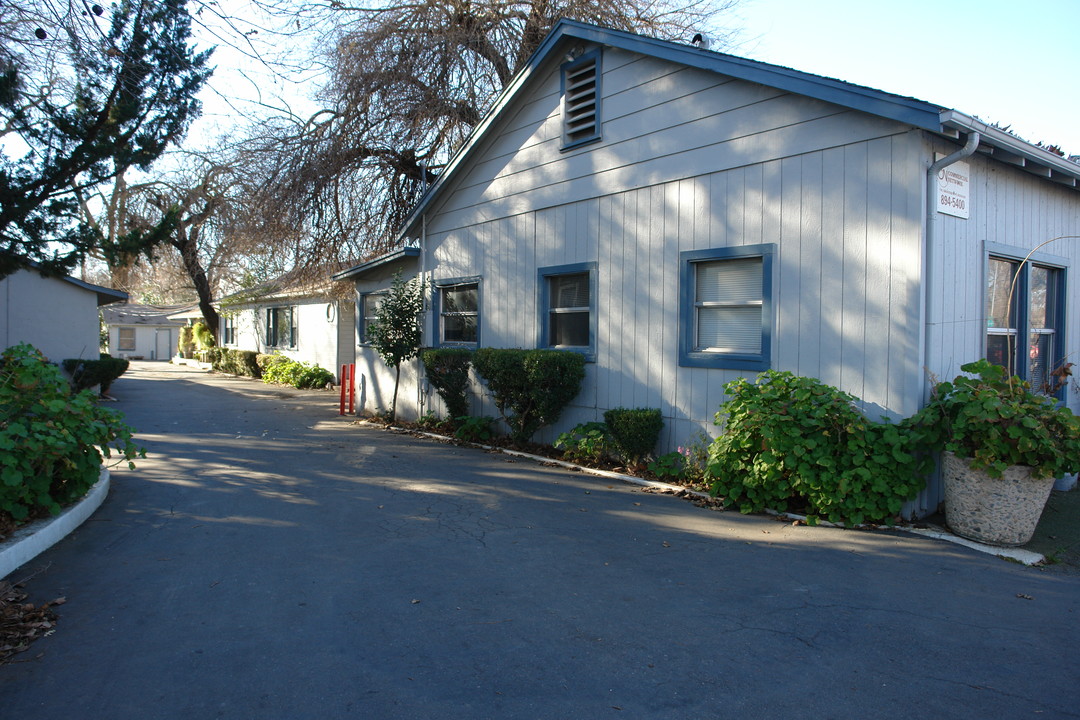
{"x": 395, "y": 333}
{"x": 80, "y": 104}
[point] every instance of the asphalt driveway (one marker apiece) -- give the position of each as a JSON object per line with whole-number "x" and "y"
{"x": 272, "y": 560}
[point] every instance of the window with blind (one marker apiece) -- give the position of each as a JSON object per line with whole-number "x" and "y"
{"x": 126, "y": 339}
{"x": 726, "y": 308}
{"x": 458, "y": 312}
{"x": 1025, "y": 301}
{"x": 581, "y": 100}
{"x": 568, "y": 302}
{"x": 369, "y": 310}
{"x": 228, "y": 330}
{"x": 280, "y": 327}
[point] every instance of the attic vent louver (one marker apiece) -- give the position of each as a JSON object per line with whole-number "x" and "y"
{"x": 581, "y": 100}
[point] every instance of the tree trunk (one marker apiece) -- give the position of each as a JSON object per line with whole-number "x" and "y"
{"x": 186, "y": 241}
{"x": 393, "y": 403}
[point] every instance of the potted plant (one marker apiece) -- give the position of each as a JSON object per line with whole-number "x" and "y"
{"x": 1002, "y": 447}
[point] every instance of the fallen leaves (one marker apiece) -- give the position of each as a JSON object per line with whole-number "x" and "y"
{"x": 21, "y": 622}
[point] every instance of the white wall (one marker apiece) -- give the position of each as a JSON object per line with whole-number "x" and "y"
{"x": 57, "y": 317}
{"x": 152, "y": 342}
{"x": 316, "y": 335}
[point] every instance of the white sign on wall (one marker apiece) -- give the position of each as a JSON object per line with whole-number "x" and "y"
{"x": 953, "y": 182}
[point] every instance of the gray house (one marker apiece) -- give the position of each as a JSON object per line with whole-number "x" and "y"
{"x": 685, "y": 217}
{"x": 56, "y": 314}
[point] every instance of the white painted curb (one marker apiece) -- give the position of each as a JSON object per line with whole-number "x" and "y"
{"x": 28, "y": 542}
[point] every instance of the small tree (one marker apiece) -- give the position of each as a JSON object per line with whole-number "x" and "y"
{"x": 395, "y": 332}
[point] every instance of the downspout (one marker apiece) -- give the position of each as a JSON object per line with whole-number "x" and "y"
{"x": 925, "y": 308}
{"x": 420, "y": 378}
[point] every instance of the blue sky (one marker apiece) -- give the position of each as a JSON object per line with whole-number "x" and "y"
{"x": 1006, "y": 62}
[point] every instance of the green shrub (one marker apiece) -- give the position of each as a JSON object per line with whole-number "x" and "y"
{"x": 789, "y": 438}
{"x": 635, "y": 432}
{"x": 448, "y": 371}
{"x": 85, "y": 374}
{"x": 300, "y": 375}
{"x": 264, "y": 360}
{"x": 585, "y": 443}
{"x": 235, "y": 362}
{"x": 185, "y": 346}
{"x": 474, "y": 429}
{"x": 52, "y": 440}
{"x": 669, "y": 465}
{"x": 530, "y": 387}
{"x": 204, "y": 339}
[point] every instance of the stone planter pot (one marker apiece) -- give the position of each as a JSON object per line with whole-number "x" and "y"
{"x": 997, "y": 511}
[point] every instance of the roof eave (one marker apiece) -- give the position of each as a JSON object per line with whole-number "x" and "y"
{"x": 902, "y": 109}
{"x": 366, "y": 267}
{"x": 1007, "y": 148}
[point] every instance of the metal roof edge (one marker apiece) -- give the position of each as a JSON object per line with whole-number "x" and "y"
{"x": 408, "y": 251}
{"x": 1021, "y": 152}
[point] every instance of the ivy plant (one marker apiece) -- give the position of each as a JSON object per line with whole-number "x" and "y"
{"x": 790, "y": 439}
{"x": 997, "y": 421}
{"x": 52, "y": 441}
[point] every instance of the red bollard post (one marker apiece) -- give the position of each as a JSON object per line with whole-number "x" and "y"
{"x": 352, "y": 386}
{"x": 341, "y": 379}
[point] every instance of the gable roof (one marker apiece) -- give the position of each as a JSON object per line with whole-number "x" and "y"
{"x": 104, "y": 295}
{"x": 294, "y": 284}
{"x": 127, "y": 314}
{"x": 907, "y": 110}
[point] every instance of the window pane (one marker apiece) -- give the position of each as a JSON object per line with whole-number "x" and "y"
{"x": 127, "y": 339}
{"x": 1039, "y": 357}
{"x": 997, "y": 349}
{"x": 459, "y": 328}
{"x": 998, "y": 281}
{"x": 1041, "y": 282}
{"x": 570, "y": 291}
{"x": 729, "y": 281}
{"x": 463, "y": 298}
{"x": 729, "y": 329}
{"x": 570, "y": 329}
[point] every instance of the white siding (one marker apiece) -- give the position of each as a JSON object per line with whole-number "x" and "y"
{"x": 55, "y": 316}
{"x": 317, "y": 332}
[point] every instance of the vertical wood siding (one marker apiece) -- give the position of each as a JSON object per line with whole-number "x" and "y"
{"x": 691, "y": 160}
{"x": 1008, "y": 207}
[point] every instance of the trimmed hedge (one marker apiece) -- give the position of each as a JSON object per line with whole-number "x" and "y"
{"x": 635, "y": 432}
{"x": 448, "y": 371}
{"x": 86, "y": 374}
{"x": 235, "y": 362}
{"x": 530, "y": 387}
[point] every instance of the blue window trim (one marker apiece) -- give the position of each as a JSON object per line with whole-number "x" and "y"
{"x": 688, "y": 357}
{"x": 1056, "y": 262}
{"x": 544, "y": 303}
{"x": 361, "y": 325}
{"x": 436, "y": 303}
{"x": 592, "y": 56}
